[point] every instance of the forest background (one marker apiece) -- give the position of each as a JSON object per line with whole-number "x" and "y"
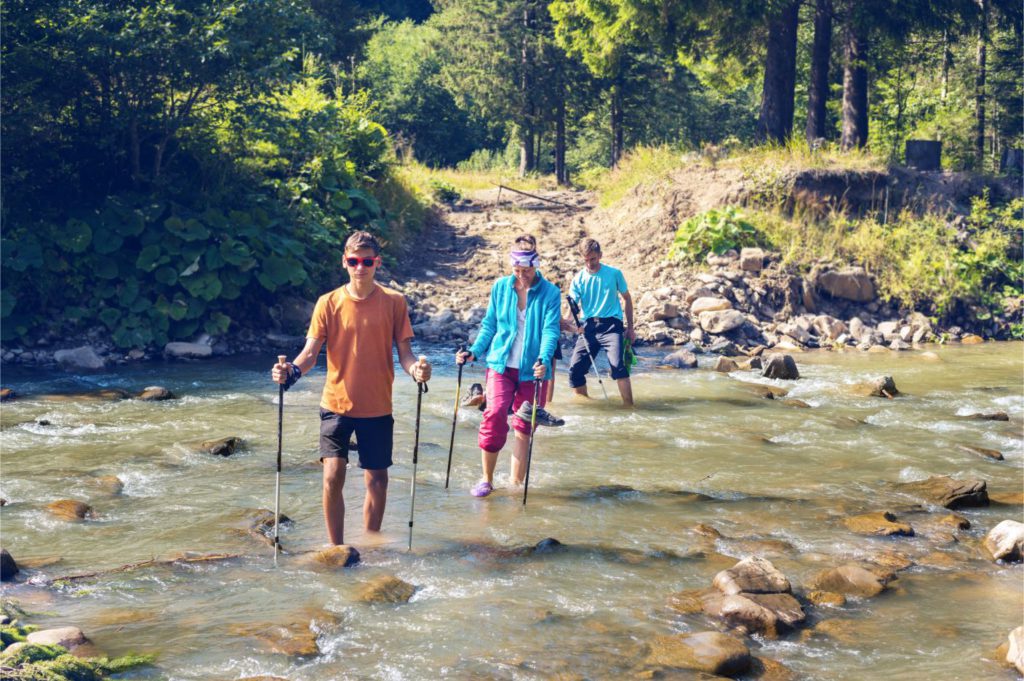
{"x": 171, "y": 166}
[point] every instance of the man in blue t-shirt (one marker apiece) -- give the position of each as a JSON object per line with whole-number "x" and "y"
{"x": 596, "y": 288}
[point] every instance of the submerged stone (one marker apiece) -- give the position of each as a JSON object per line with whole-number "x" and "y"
{"x": 850, "y": 580}
{"x": 111, "y": 484}
{"x": 70, "y": 509}
{"x": 993, "y": 454}
{"x": 386, "y": 589}
{"x": 68, "y": 637}
{"x": 826, "y": 598}
{"x": 339, "y": 556}
{"x": 884, "y": 386}
{"x": 707, "y": 651}
{"x": 881, "y": 524}
{"x": 224, "y": 446}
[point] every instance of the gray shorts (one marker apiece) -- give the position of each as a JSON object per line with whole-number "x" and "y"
{"x": 375, "y": 436}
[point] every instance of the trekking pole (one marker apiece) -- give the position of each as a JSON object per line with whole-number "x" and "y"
{"x": 574, "y": 308}
{"x": 533, "y": 428}
{"x": 421, "y": 388}
{"x": 455, "y": 416}
{"x": 277, "y": 485}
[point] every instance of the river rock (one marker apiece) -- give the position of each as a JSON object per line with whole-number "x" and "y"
{"x": 6, "y": 394}
{"x": 972, "y": 339}
{"x": 681, "y": 359}
{"x": 710, "y": 304}
{"x": 722, "y": 321}
{"x": 780, "y": 366}
{"x": 69, "y": 509}
{"x": 386, "y": 589}
{"x": 1015, "y": 649}
{"x": 725, "y": 365}
{"x": 224, "y": 446}
{"x": 881, "y": 524}
{"x": 826, "y": 598}
{"x": 338, "y": 556}
{"x": 155, "y": 393}
{"x": 180, "y": 350}
{"x": 988, "y": 416}
{"x": 104, "y": 395}
{"x": 1007, "y": 498}
{"x": 753, "y": 575}
{"x": 294, "y": 639}
{"x": 665, "y": 311}
{"x": 111, "y": 484}
{"x": 68, "y": 637}
{"x": 851, "y": 283}
{"x": 8, "y": 567}
{"x": 985, "y": 452}
{"x": 82, "y": 358}
{"x": 751, "y": 259}
{"x": 850, "y": 580}
{"x": 768, "y": 614}
{"x": 689, "y": 601}
{"x": 899, "y": 344}
{"x": 707, "y": 651}
{"x": 944, "y": 491}
{"x": 883, "y": 386}
{"x": 1005, "y": 541}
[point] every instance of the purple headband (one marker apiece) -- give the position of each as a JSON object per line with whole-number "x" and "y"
{"x": 524, "y": 258}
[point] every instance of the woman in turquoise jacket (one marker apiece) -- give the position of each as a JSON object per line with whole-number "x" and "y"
{"x": 517, "y": 340}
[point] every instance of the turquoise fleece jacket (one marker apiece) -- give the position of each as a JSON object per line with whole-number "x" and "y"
{"x": 498, "y": 327}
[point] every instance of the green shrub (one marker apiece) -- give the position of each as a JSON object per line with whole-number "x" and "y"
{"x": 713, "y": 231}
{"x": 445, "y": 192}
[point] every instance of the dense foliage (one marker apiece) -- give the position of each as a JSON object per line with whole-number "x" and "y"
{"x": 168, "y": 164}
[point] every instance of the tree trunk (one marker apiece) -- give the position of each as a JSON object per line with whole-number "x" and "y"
{"x": 616, "y": 97}
{"x": 947, "y": 64}
{"x": 855, "y": 88}
{"x": 775, "y": 123}
{"x": 134, "y": 152}
{"x": 979, "y": 86}
{"x": 527, "y": 133}
{"x": 561, "y": 172}
{"x": 817, "y": 93}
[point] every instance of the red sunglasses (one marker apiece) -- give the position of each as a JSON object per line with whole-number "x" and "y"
{"x": 366, "y": 262}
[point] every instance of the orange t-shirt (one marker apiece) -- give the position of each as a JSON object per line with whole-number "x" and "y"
{"x": 360, "y": 335}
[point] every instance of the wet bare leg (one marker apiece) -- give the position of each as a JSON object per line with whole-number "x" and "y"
{"x": 626, "y": 391}
{"x": 376, "y": 498}
{"x": 520, "y": 445}
{"x": 488, "y": 460}
{"x": 334, "y": 499}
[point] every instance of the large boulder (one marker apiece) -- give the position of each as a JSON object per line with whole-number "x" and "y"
{"x": 850, "y": 580}
{"x": 851, "y": 283}
{"x": 943, "y": 490}
{"x": 1005, "y": 541}
{"x": 83, "y": 358}
{"x": 780, "y": 366}
{"x": 8, "y": 567}
{"x": 711, "y": 652}
{"x": 721, "y": 321}
{"x": 337, "y": 556}
{"x": 754, "y": 575}
{"x": 751, "y": 259}
{"x": 155, "y": 393}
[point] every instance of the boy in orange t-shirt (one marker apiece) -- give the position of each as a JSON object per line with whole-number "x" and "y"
{"x": 360, "y": 322}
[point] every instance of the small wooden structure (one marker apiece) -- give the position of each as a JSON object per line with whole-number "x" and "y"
{"x": 924, "y": 154}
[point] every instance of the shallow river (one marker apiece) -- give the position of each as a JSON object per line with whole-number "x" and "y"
{"x": 611, "y": 484}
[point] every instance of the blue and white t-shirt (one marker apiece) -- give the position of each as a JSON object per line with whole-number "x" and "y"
{"x": 598, "y": 293}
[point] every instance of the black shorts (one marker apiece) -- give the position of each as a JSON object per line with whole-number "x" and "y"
{"x": 375, "y": 436}
{"x": 558, "y": 350}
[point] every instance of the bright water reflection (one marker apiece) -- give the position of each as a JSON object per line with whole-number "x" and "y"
{"x": 616, "y": 486}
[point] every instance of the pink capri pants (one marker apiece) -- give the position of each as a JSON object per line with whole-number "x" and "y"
{"x": 503, "y": 391}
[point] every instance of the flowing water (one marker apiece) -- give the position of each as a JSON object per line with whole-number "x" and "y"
{"x": 622, "y": 489}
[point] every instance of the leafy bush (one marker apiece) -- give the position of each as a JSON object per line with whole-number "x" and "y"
{"x": 713, "y": 231}
{"x": 297, "y": 172}
{"x": 445, "y": 192}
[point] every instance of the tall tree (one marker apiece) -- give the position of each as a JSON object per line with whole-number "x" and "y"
{"x": 855, "y": 80}
{"x": 979, "y": 82}
{"x": 775, "y": 122}
{"x": 821, "y": 53}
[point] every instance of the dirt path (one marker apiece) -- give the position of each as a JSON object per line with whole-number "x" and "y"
{"x": 454, "y": 263}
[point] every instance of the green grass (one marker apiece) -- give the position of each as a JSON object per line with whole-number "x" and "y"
{"x": 468, "y": 182}
{"x": 642, "y": 165}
